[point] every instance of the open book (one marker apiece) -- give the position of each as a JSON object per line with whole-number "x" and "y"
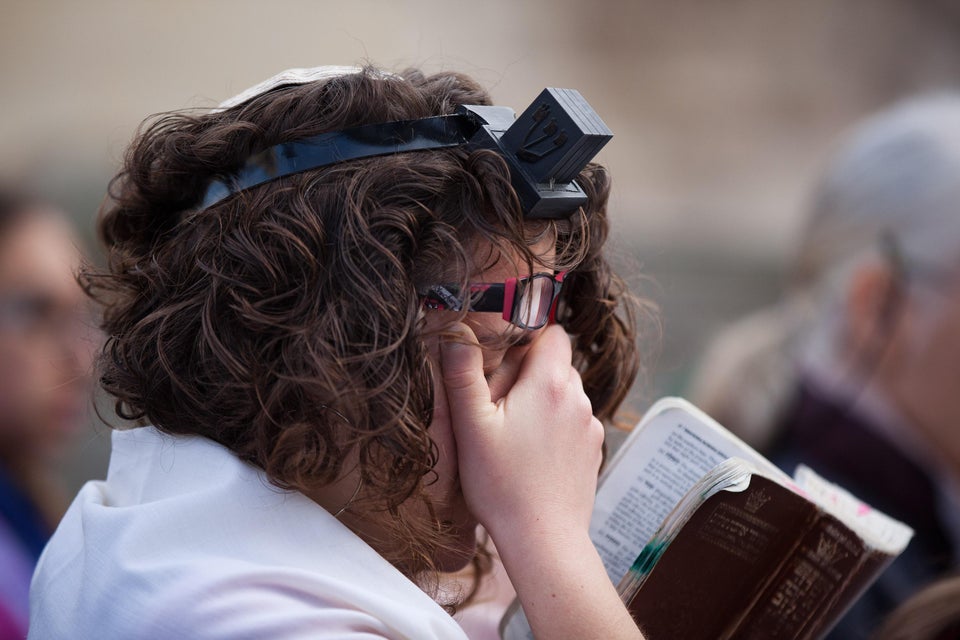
{"x": 708, "y": 540}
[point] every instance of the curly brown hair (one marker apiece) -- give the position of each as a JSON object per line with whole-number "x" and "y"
{"x": 285, "y": 322}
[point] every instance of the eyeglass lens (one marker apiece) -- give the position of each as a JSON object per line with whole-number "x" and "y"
{"x": 535, "y": 300}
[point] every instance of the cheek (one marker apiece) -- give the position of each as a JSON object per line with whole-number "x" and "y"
{"x": 23, "y": 374}
{"x": 930, "y": 372}
{"x": 934, "y": 345}
{"x": 27, "y": 400}
{"x": 41, "y": 389}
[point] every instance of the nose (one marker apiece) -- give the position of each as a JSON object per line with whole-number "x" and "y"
{"x": 504, "y": 366}
{"x": 517, "y": 343}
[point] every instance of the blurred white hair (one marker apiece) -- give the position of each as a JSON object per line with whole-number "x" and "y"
{"x": 894, "y": 179}
{"x": 897, "y": 173}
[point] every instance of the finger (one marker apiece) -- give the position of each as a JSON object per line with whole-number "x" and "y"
{"x": 550, "y": 353}
{"x": 505, "y": 375}
{"x": 461, "y": 361}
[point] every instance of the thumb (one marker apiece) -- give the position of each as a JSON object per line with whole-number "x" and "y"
{"x": 461, "y": 360}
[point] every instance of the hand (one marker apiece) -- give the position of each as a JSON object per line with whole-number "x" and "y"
{"x": 528, "y": 468}
{"x": 529, "y": 462}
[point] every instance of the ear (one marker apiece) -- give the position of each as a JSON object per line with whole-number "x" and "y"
{"x": 873, "y": 304}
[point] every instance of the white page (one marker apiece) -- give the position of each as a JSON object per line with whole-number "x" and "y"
{"x": 877, "y": 529}
{"x": 667, "y": 453}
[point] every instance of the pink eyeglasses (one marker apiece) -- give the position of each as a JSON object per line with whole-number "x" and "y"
{"x": 529, "y": 302}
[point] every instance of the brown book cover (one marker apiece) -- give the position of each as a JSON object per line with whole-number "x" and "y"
{"x": 759, "y": 563}
{"x": 718, "y": 561}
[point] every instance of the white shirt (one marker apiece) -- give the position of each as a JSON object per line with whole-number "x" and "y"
{"x": 184, "y": 540}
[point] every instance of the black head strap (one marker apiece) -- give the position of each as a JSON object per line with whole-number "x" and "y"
{"x": 545, "y": 148}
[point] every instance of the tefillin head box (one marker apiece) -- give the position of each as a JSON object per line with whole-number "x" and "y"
{"x": 546, "y": 147}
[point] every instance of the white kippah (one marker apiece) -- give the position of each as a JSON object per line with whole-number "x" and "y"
{"x": 296, "y": 76}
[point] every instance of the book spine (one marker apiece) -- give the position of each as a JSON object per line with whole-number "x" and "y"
{"x": 815, "y": 585}
{"x": 871, "y": 565}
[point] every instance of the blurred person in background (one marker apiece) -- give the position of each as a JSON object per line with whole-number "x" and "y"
{"x": 45, "y": 355}
{"x": 857, "y": 372}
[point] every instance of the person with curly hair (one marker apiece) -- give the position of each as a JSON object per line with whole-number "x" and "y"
{"x": 348, "y": 339}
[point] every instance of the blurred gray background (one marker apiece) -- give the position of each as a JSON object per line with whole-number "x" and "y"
{"x": 723, "y": 111}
